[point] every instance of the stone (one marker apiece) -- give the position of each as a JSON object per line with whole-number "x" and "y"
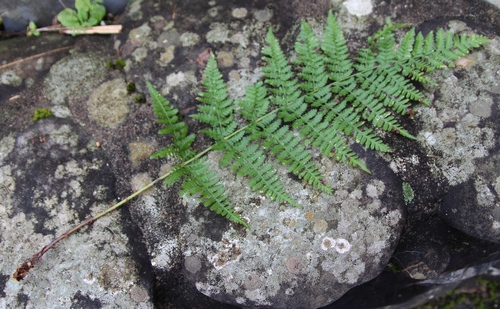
{"x": 52, "y": 176}
{"x": 461, "y": 128}
{"x": 285, "y": 260}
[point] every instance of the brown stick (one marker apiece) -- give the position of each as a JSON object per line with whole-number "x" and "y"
{"x": 35, "y": 56}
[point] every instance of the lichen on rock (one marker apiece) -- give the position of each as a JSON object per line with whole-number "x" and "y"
{"x": 51, "y": 177}
{"x": 292, "y": 261}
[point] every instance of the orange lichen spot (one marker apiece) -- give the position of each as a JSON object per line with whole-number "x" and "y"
{"x": 309, "y": 216}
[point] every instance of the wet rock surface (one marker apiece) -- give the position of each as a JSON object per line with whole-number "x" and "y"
{"x": 52, "y": 175}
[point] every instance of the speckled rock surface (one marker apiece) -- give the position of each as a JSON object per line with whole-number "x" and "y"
{"x": 190, "y": 251}
{"x": 72, "y": 77}
{"x": 295, "y": 258}
{"x": 52, "y": 176}
{"x": 460, "y": 131}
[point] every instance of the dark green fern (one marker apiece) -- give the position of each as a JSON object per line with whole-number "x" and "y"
{"x": 325, "y": 96}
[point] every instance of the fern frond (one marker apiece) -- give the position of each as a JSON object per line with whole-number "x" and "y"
{"x": 204, "y": 183}
{"x": 218, "y": 108}
{"x": 194, "y": 172}
{"x": 169, "y": 116}
{"x": 278, "y": 137}
{"x": 312, "y": 71}
{"x": 330, "y": 98}
{"x": 336, "y": 59}
{"x": 246, "y": 160}
{"x": 292, "y": 108}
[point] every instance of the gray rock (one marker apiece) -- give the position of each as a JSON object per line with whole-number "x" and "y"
{"x": 460, "y": 132}
{"x": 73, "y": 77}
{"x": 294, "y": 258}
{"x": 52, "y": 176}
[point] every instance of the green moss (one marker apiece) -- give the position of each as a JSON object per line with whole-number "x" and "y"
{"x": 140, "y": 99}
{"x": 42, "y": 113}
{"x": 119, "y": 64}
{"x": 408, "y": 193}
{"x": 130, "y": 87}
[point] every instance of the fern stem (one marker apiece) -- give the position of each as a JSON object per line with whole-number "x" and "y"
{"x": 23, "y": 270}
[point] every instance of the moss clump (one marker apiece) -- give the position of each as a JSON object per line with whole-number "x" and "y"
{"x": 408, "y": 193}
{"x": 140, "y": 99}
{"x": 42, "y": 113}
{"x": 119, "y": 64}
{"x": 130, "y": 87}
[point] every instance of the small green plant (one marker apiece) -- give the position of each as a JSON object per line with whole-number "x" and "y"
{"x": 119, "y": 64}
{"x": 140, "y": 98}
{"x": 88, "y": 13}
{"x": 42, "y": 113}
{"x": 408, "y": 194}
{"x": 130, "y": 88}
{"x": 32, "y": 29}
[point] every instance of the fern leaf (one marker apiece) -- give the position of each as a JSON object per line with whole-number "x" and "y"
{"x": 197, "y": 180}
{"x": 278, "y": 138}
{"x": 204, "y": 183}
{"x": 287, "y": 96}
{"x": 336, "y": 58}
{"x": 313, "y": 71}
{"x": 169, "y": 116}
{"x": 247, "y": 161}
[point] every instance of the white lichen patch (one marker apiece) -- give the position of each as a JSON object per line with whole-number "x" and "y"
{"x": 74, "y": 76}
{"x": 452, "y": 130}
{"x": 359, "y": 8}
{"x": 327, "y": 243}
{"x": 496, "y": 185}
{"x": 218, "y": 33}
{"x": 484, "y": 196}
{"x": 342, "y": 245}
{"x": 189, "y": 39}
{"x": 6, "y": 146}
{"x": 164, "y": 253}
{"x": 108, "y": 104}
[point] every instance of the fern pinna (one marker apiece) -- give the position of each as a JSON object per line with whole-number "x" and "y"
{"x": 324, "y": 95}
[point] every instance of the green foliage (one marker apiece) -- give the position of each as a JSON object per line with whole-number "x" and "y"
{"x": 326, "y": 96}
{"x": 32, "y": 29}
{"x": 191, "y": 169}
{"x": 88, "y": 13}
{"x": 408, "y": 194}
{"x": 130, "y": 88}
{"x": 42, "y": 113}
{"x": 119, "y": 64}
{"x": 139, "y": 98}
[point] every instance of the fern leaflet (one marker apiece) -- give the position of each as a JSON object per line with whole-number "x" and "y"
{"x": 193, "y": 170}
{"x": 246, "y": 159}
